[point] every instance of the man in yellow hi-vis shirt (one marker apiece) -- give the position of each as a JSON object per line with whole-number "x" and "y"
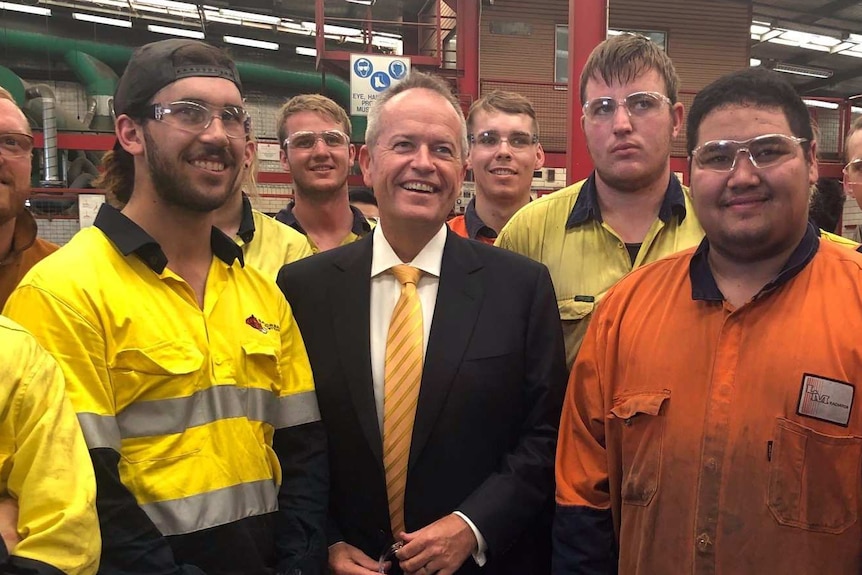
{"x": 187, "y": 370}
{"x": 47, "y": 491}
{"x": 631, "y": 210}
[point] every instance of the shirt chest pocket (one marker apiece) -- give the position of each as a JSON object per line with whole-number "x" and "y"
{"x": 814, "y": 479}
{"x": 156, "y": 399}
{"x": 574, "y": 311}
{"x": 642, "y": 433}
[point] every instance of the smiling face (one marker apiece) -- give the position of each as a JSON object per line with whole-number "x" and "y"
{"x": 415, "y": 165}
{"x": 503, "y": 173}
{"x": 197, "y": 172}
{"x": 631, "y": 153}
{"x": 321, "y": 171}
{"x": 14, "y": 172}
{"x": 752, "y": 213}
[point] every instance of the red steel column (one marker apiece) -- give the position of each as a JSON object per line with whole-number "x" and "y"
{"x": 588, "y": 27}
{"x": 467, "y": 49}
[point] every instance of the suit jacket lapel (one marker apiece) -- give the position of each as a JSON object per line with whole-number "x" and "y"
{"x": 350, "y": 299}
{"x": 459, "y": 299}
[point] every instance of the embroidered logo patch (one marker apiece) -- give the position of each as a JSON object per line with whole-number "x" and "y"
{"x": 261, "y": 326}
{"x": 825, "y": 399}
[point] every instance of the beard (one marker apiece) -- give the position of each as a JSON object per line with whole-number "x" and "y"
{"x": 176, "y": 188}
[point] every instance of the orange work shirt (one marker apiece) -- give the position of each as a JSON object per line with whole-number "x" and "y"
{"x": 27, "y": 251}
{"x": 718, "y": 439}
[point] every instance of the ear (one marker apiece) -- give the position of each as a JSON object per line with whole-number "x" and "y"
{"x": 677, "y": 112}
{"x": 540, "y": 157}
{"x": 130, "y": 134}
{"x": 813, "y": 172}
{"x": 365, "y": 165}
{"x": 248, "y": 154}
{"x": 282, "y": 159}
{"x": 351, "y": 155}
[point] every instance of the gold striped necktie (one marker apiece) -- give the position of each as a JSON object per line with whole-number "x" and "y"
{"x": 401, "y": 380}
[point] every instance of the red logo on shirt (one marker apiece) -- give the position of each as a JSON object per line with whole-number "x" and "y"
{"x": 260, "y": 326}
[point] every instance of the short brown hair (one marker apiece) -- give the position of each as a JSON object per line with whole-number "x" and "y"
{"x": 854, "y": 127}
{"x": 317, "y": 103}
{"x": 506, "y": 102}
{"x": 623, "y": 58}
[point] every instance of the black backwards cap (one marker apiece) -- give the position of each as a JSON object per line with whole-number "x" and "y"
{"x": 155, "y": 65}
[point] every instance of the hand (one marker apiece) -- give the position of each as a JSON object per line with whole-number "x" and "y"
{"x": 9, "y": 523}
{"x": 345, "y": 559}
{"x": 441, "y": 547}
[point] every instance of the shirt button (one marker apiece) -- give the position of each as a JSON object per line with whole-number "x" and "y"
{"x": 704, "y": 543}
{"x": 218, "y": 360}
{"x": 621, "y": 245}
{"x": 710, "y": 464}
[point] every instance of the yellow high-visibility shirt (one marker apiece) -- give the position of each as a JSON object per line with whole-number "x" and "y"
{"x": 44, "y": 464}
{"x": 564, "y": 230}
{"x": 268, "y": 244}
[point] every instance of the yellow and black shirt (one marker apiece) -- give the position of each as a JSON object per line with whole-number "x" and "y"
{"x": 202, "y": 423}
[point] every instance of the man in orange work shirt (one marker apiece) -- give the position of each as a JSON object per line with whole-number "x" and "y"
{"x": 20, "y": 248}
{"x": 504, "y": 153}
{"x": 709, "y": 425}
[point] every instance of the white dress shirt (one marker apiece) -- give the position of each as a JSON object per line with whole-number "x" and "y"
{"x": 385, "y": 291}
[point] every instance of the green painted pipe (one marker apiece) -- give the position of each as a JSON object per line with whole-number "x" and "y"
{"x": 98, "y": 79}
{"x": 117, "y": 56}
{"x": 11, "y": 81}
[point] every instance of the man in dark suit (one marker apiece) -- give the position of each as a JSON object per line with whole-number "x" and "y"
{"x": 480, "y": 447}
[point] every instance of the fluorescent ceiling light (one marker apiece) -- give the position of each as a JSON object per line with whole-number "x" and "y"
{"x": 114, "y": 3}
{"x": 761, "y": 23}
{"x": 753, "y": 62}
{"x": 841, "y": 47}
{"x": 176, "y": 31}
{"x": 771, "y": 34}
{"x": 214, "y": 17}
{"x": 303, "y": 51}
{"x": 183, "y": 6}
{"x": 784, "y": 42}
{"x": 816, "y": 47}
{"x": 758, "y": 29}
{"x": 854, "y": 37}
{"x": 821, "y": 104}
{"x": 250, "y": 16}
{"x": 250, "y": 43}
{"x": 363, "y": 2}
{"x": 855, "y": 110}
{"x": 331, "y": 29}
{"x": 101, "y": 20}
{"x": 25, "y": 9}
{"x": 803, "y": 70}
{"x": 852, "y": 52}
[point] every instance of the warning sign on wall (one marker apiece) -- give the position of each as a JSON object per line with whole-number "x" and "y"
{"x": 370, "y": 75}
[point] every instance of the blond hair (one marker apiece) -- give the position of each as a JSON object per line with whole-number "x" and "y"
{"x": 316, "y": 103}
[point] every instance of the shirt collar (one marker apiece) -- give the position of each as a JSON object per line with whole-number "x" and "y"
{"x": 474, "y": 224}
{"x": 246, "y": 224}
{"x": 429, "y": 259}
{"x": 587, "y": 205}
{"x": 23, "y": 236}
{"x": 360, "y": 226}
{"x": 703, "y": 286}
{"x": 130, "y": 238}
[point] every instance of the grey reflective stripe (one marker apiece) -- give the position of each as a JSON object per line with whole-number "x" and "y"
{"x": 198, "y": 512}
{"x": 296, "y": 410}
{"x": 100, "y": 431}
{"x": 167, "y": 416}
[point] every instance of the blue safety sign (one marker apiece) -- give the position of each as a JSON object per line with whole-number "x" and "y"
{"x": 363, "y": 67}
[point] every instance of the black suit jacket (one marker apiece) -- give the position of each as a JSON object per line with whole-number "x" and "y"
{"x": 489, "y": 403}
